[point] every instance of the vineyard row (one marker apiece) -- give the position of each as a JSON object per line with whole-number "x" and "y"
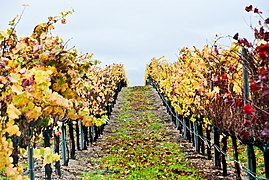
{"x": 223, "y": 87}
{"x": 44, "y": 87}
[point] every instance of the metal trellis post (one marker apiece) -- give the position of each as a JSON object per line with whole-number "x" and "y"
{"x": 250, "y": 150}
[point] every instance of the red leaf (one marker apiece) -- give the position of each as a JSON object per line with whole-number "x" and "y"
{"x": 256, "y": 33}
{"x": 266, "y": 36}
{"x": 248, "y": 109}
{"x": 262, "y": 72}
{"x": 254, "y": 87}
{"x": 216, "y": 50}
{"x": 239, "y": 103}
{"x": 231, "y": 67}
{"x": 263, "y": 51}
{"x": 255, "y": 120}
{"x": 25, "y": 82}
{"x": 245, "y": 42}
{"x": 261, "y": 31}
{"x": 224, "y": 77}
{"x": 249, "y": 8}
{"x": 244, "y": 134}
{"x": 256, "y": 10}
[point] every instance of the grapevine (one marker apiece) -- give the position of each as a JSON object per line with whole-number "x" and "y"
{"x": 43, "y": 85}
{"x": 208, "y": 84}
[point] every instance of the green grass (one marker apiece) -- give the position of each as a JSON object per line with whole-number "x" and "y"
{"x": 142, "y": 147}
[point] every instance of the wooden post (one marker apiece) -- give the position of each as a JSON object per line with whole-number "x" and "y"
{"x": 209, "y": 156}
{"x": 185, "y": 128}
{"x": 224, "y": 149}
{"x": 92, "y": 134}
{"x": 172, "y": 115}
{"x": 86, "y": 139}
{"x": 191, "y": 124}
{"x": 200, "y": 132}
{"x": 77, "y": 135}
{"x": 177, "y": 121}
{"x": 31, "y": 168}
{"x": 96, "y": 133}
{"x": 81, "y": 135}
{"x": 72, "y": 138}
{"x": 216, "y": 152}
{"x": 15, "y": 155}
{"x": 237, "y": 167}
{"x": 196, "y": 138}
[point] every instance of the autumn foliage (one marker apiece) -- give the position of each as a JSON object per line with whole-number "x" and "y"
{"x": 208, "y": 84}
{"x": 43, "y": 84}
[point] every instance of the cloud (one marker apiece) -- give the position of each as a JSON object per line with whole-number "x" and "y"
{"x": 132, "y": 32}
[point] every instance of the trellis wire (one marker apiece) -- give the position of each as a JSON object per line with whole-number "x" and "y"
{"x": 206, "y": 140}
{"x": 80, "y": 133}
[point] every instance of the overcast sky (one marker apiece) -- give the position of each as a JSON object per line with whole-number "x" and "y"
{"x": 133, "y": 31}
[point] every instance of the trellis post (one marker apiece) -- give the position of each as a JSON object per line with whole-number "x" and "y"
{"x": 250, "y": 150}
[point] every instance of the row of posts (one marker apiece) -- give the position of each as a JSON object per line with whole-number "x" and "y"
{"x": 82, "y": 140}
{"x": 194, "y": 133}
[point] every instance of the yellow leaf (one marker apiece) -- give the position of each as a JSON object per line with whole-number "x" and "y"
{"x": 42, "y": 76}
{"x": 72, "y": 114}
{"x": 237, "y": 89}
{"x": 64, "y": 87}
{"x": 48, "y": 110}
{"x": 44, "y": 57}
{"x": 17, "y": 89}
{"x": 178, "y": 110}
{"x": 34, "y": 113}
{"x": 20, "y": 100}
{"x": 51, "y": 27}
{"x": 13, "y": 112}
{"x": 59, "y": 111}
{"x": 37, "y": 154}
{"x": 11, "y": 130}
{"x": 55, "y": 157}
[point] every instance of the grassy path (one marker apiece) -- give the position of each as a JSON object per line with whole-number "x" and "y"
{"x": 137, "y": 143}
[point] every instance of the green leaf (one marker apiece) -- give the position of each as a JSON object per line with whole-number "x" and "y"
{"x": 42, "y": 151}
